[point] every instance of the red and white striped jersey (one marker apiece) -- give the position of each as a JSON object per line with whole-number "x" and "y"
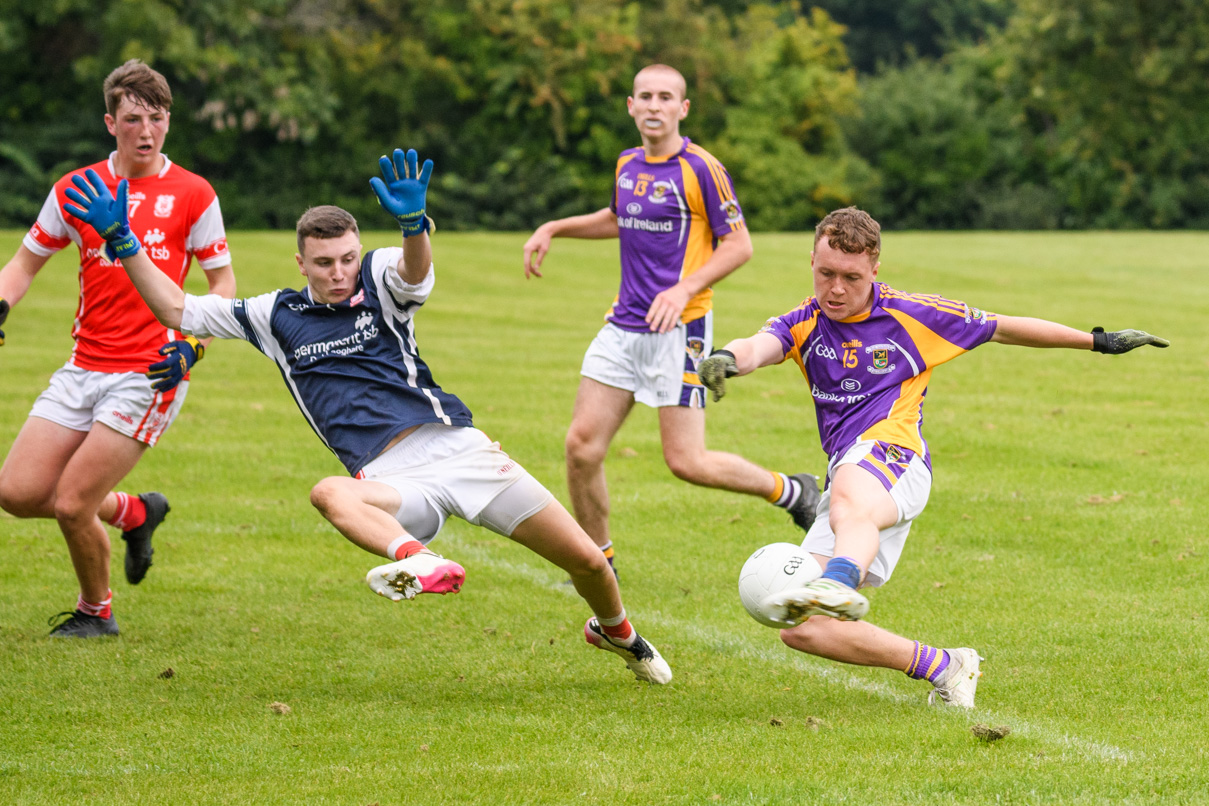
{"x": 176, "y": 216}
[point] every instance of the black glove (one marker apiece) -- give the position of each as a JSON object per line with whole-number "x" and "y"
{"x": 714, "y": 371}
{"x": 1122, "y": 341}
{"x": 4, "y": 309}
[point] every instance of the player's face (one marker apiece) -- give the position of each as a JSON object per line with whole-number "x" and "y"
{"x": 843, "y": 282}
{"x": 658, "y": 104}
{"x": 140, "y": 133}
{"x": 331, "y": 266}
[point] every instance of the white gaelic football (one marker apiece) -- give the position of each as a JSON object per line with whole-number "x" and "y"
{"x": 772, "y": 569}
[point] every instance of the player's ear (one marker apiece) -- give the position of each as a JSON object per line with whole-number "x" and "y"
{"x": 875, "y": 267}
{"x": 111, "y": 124}
{"x": 301, "y": 268}
{"x": 684, "y": 108}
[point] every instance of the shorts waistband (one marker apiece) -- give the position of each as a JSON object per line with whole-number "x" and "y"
{"x": 414, "y": 441}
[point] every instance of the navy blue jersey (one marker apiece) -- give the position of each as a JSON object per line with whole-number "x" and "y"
{"x": 353, "y": 367}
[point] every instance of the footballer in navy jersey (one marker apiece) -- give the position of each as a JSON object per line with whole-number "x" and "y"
{"x": 867, "y": 352}
{"x": 346, "y": 348}
{"x": 353, "y": 367}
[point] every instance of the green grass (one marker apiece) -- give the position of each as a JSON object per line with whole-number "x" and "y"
{"x": 1091, "y": 615}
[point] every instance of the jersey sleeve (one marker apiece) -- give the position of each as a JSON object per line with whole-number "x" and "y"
{"x": 218, "y": 317}
{"x": 792, "y": 329}
{"x": 208, "y": 239}
{"x": 405, "y": 295}
{"x": 50, "y": 232}
{"x": 941, "y": 328}
{"x": 722, "y": 209}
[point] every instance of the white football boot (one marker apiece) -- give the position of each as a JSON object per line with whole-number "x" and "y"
{"x": 643, "y": 659}
{"x": 424, "y": 572}
{"x": 957, "y": 684}
{"x": 822, "y": 597}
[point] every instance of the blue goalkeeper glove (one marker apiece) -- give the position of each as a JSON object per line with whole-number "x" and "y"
{"x": 4, "y": 309}
{"x": 107, "y": 214}
{"x": 180, "y": 356}
{"x": 403, "y": 192}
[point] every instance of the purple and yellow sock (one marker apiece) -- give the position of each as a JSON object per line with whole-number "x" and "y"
{"x": 927, "y": 663}
{"x": 607, "y": 548}
{"x": 785, "y": 491}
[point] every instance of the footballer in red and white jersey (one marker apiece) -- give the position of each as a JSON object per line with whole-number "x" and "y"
{"x": 176, "y": 216}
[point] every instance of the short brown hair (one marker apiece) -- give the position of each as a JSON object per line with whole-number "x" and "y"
{"x": 323, "y": 222}
{"x": 851, "y": 230}
{"x": 138, "y": 81}
{"x": 666, "y": 68}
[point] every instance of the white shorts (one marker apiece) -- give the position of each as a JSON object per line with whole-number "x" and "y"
{"x": 905, "y": 476}
{"x": 660, "y": 369}
{"x": 457, "y": 471}
{"x": 124, "y": 401}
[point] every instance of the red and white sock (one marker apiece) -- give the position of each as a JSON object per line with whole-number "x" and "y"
{"x": 618, "y": 629}
{"x": 98, "y": 609}
{"x": 403, "y": 547}
{"x": 130, "y": 512}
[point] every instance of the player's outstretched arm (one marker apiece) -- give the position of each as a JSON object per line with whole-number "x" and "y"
{"x": 739, "y": 357}
{"x": 1029, "y": 332}
{"x": 403, "y": 192}
{"x": 15, "y": 279}
{"x": 601, "y": 224}
{"x": 107, "y": 214}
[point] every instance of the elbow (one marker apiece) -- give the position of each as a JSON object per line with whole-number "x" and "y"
{"x": 743, "y": 246}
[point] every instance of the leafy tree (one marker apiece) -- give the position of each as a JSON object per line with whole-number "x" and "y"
{"x": 892, "y": 33}
{"x": 1112, "y": 95}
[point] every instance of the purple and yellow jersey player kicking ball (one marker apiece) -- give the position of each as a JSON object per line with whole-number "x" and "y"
{"x": 867, "y": 351}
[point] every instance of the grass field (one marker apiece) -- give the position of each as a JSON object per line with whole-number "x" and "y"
{"x": 1065, "y": 540}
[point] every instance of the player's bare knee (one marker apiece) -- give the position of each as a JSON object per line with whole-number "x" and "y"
{"x": 71, "y": 510}
{"x": 326, "y": 495}
{"x": 588, "y": 564}
{"x": 688, "y": 467}
{"x": 14, "y": 501}
{"x": 806, "y": 636}
{"x": 584, "y": 452}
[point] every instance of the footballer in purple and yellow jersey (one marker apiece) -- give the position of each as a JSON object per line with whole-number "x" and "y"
{"x": 867, "y": 351}
{"x": 869, "y": 373}
{"x": 670, "y": 212}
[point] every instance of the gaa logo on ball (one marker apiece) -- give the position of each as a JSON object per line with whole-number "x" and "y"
{"x": 775, "y": 568}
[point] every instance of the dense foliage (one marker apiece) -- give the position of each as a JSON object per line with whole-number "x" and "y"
{"x": 966, "y": 113}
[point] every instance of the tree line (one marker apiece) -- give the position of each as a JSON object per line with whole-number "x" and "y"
{"x": 931, "y": 114}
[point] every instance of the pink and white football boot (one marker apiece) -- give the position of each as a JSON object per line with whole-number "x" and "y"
{"x": 424, "y": 572}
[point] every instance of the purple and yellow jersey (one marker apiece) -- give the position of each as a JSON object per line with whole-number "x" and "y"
{"x": 869, "y": 373}
{"x": 670, "y": 213}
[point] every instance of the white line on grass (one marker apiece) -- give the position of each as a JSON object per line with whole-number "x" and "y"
{"x": 831, "y": 673}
